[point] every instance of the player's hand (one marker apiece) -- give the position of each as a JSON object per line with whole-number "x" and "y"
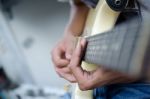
{"x": 61, "y": 55}
{"x": 89, "y": 80}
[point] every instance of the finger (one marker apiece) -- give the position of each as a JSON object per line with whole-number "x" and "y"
{"x": 70, "y": 48}
{"x": 68, "y": 76}
{"x": 75, "y": 63}
{"x": 89, "y": 80}
{"x": 58, "y": 59}
{"x": 84, "y": 78}
{"x": 69, "y": 52}
{"x": 63, "y": 70}
{"x": 83, "y": 43}
{"x": 65, "y": 73}
{"x": 76, "y": 57}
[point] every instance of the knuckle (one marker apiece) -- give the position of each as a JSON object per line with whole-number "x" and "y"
{"x": 85, "y": 86}
{"x": 58, "y": 64}
{"x": 72, "y": 81}
{"x": 82, "y": 87}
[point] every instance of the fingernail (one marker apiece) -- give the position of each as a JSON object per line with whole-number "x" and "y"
{"x": 83, "y": 41}
{"x": 68, "y": 56}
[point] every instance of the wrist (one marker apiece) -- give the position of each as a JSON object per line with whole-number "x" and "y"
{"x": 69, "y": 32}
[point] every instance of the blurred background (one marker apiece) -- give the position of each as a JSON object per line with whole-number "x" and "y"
{"x": 29, "y": 29}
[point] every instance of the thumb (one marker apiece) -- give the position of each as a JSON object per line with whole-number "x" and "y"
{"x": 69, "y": 52}
{"x": 70, "y": 48}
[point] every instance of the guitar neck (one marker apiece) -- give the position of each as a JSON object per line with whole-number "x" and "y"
{"x": 118, "y": 49}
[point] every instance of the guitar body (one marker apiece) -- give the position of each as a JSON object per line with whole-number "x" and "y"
{"x": 99, "y": 20}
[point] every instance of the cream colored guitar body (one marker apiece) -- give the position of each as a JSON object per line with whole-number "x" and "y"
{"x": 99, "y": 20}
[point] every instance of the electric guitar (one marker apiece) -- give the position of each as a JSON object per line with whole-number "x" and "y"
{"x": 123, "y": 48}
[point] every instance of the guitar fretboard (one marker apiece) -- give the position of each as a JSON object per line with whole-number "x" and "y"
{"x": 118, "y": 49}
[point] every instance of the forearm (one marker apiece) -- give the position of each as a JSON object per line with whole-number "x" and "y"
{"x": 118, "y": 77}
{"x": 78, "y": 15}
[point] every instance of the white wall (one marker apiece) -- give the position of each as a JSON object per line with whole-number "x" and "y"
{"x": 43, "y": 21}
{"x": 11, "y": 57}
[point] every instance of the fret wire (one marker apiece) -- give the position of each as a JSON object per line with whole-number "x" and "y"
{"x": 104, "y": 43}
